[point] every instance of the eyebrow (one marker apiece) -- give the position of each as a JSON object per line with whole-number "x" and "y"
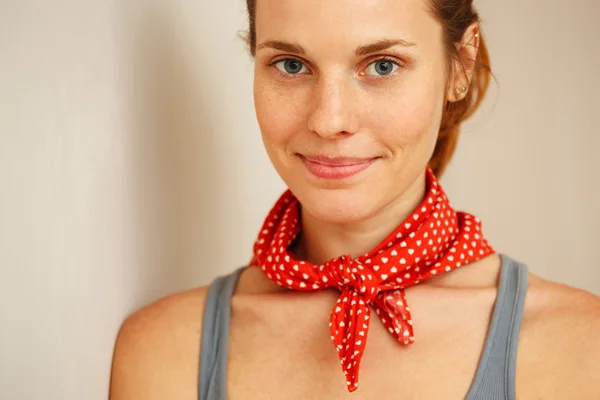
{"x": 380, "y": 45}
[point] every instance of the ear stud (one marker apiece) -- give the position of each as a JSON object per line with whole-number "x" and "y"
{"x": 460, "y": 92}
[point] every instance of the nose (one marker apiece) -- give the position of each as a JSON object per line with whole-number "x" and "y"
{"x": 333, "y": 114}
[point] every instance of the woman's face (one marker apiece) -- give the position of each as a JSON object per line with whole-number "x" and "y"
{"x": 349, "y": 97}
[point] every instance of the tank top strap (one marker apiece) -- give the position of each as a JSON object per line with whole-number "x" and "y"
{"x": 215, "y": 337}
{"x": 495, "y": 376}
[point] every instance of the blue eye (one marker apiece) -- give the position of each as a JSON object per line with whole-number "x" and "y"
{"x": 290, "y": 66}
{"x": 382, "y": 67}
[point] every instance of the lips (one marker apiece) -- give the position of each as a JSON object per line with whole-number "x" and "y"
{"x": 336, "y": 168}
{"x": 338, "y": 161}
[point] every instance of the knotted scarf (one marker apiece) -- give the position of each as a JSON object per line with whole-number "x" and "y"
{"x": 434, "y": 240}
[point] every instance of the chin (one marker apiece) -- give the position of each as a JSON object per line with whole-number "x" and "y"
{"x": 341, "y": 205}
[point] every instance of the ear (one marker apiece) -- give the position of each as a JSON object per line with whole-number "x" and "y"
{"x": 462, "y": 69}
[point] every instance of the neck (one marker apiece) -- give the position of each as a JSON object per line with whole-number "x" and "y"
{"x": 320, "y": 241}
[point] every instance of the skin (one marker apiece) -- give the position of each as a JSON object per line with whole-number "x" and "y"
{"x": 336, "y": 107}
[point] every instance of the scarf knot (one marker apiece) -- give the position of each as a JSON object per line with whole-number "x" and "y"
{"x": 347, "y": 274}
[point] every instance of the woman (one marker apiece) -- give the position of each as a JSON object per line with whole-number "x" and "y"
{"x": 359, "y": 104}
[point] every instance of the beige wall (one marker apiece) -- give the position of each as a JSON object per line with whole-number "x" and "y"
{"x": 131, "y": 165}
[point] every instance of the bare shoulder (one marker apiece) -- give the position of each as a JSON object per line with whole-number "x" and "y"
{"x": 557, "y": 304}
{"x": 157, "y": 350}
{"x": 560, "y": 337}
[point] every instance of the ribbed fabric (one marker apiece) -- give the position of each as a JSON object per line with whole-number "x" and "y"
{"x": 495, "y": 375}
{"x": 215, "y": 338}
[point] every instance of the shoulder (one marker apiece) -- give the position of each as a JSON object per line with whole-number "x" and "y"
{"x": 560, "y": 334}
{"x": 157, "y": 349}
{"x": 557, "y": 305}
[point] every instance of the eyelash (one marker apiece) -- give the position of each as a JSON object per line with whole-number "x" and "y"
{"x": 380, "y": 77}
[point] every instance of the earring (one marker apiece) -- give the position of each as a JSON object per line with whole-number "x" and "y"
{"x": 460, "y": 92}
{"x": 476, "y": 36}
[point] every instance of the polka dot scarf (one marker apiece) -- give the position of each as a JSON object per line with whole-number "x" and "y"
{"x": 435, "y": 239}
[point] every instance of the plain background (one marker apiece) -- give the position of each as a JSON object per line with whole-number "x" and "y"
{"x": 131, "y": 164}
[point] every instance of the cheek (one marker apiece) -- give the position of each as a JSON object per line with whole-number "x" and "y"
{"x": 408, "y": 119}
{"x": 278, "y": 115}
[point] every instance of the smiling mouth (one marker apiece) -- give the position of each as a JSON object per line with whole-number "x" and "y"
{"x": 336, "y": 168}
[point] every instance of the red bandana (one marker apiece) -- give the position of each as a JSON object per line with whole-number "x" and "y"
{"x": 435, "y": 239}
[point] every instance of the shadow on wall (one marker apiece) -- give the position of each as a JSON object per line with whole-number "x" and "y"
{"x": 174, "y": 127}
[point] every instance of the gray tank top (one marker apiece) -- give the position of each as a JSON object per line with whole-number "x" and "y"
{"x": 495, "y": 375}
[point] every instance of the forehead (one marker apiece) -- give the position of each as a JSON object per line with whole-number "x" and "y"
{"x": 344, "y": 22}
